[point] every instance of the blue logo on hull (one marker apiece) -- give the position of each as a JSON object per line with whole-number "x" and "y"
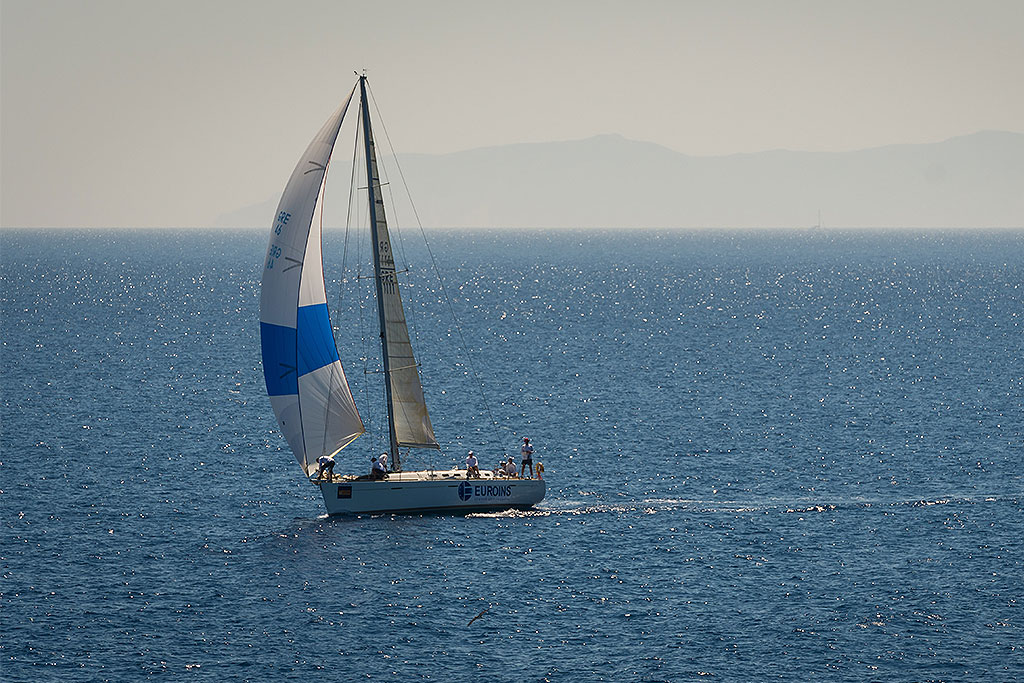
{"x": 467, "y": 491}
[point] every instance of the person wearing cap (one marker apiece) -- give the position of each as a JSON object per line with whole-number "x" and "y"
{"x": 378, "y": 470}
{"x": 527, "y": 451}
{"x": 472, "y": 466}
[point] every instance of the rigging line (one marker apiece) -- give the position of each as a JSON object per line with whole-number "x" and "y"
{"x": 348, "y": 228}
{"x": 376, "y": 406}
{"x": 440, "y": 280}
{"x": 334, "y": 375}
{"x": 348, "y": 216}
{"x": 345, "y": 252}
{"x": 353, "y": 221}
{"x": 376, "y": 397}
{"x": 337, "y": 374}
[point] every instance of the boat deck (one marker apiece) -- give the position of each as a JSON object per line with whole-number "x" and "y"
{"x": 425, "y": 475}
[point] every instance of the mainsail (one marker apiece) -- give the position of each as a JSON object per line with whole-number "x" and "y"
{"x": 410, "y": 421}
{"x": 305, "y": 381}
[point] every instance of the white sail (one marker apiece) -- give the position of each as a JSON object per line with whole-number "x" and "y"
{"x": 408, "y": 410}
{"x": 305, "y": 380}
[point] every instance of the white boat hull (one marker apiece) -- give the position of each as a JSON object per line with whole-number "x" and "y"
{"x": 448, "y": 490}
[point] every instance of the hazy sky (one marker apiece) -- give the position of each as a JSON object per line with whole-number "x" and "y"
{"x": 170, "y": 113}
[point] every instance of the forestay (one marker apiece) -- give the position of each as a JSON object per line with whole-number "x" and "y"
{"x": 305, "y": 381}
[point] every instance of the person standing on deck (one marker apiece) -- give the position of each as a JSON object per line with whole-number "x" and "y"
{"x": 527, "y": 452}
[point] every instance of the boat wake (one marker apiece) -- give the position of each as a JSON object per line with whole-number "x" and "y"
{"x": 652, "y": 506}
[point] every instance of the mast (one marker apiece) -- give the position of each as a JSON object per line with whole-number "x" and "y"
{"x": 373, "y": 190}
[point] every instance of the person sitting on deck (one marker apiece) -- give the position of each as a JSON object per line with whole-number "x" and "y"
{"x": 379, "y": 469}
{"x": 325, "y": 463}
{"x": 510, "y": 467}
{"x": 472, "y": 466}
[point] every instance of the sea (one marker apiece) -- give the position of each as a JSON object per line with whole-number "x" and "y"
{"x": 770, "y": 455}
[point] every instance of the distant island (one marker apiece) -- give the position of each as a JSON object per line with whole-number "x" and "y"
{"x": 609, "y": 181}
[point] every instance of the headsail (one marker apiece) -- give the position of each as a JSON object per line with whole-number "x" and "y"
{"x": 409, "y": 418}
{"x": 305, "y": 380}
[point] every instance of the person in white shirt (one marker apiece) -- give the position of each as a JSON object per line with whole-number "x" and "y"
{"x": 379, "y": 470}
{"x": 510, "y": 467}
{"x": 325, "y": 463}
{"x": 527, "y": 451}
{"x": 472, "y": 466}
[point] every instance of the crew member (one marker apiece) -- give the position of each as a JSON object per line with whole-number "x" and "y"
{"x": 472, "y": 466}
{"x": 527, "y": 451}
{"x": 325, "y": 463}
{"x": 378, "y": 470}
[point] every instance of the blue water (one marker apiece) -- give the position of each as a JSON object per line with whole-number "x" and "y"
{"x": 770, "y": 455}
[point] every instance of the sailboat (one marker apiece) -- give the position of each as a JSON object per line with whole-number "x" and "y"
{"x": 305, "y": 380}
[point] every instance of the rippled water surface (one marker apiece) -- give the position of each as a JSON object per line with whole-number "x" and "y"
{"x": 770, "y": 455}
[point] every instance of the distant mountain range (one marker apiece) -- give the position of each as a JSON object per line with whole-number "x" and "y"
{"x": 609, "y": 181}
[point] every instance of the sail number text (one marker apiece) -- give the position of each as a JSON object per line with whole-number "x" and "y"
{"x": 387, "y": 281}
{"x": 282, "y": 220}
{"x": 275, "y": 251}
{"x": 273, "y": 254}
